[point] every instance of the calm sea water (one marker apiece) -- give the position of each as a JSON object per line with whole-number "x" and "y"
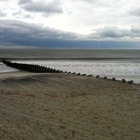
{"x": 63, "y": 54}
{"x": 118, "y": 63}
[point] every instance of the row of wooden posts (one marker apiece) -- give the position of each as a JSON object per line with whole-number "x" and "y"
{"x": 97, "y": 76}
{"x": 42, "y": 69}
{"x": 31, "y": 67}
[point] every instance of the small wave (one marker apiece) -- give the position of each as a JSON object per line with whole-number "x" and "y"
{"x": 1, "y": 63}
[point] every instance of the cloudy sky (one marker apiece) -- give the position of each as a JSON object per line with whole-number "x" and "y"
{"x": 70, "y": 23}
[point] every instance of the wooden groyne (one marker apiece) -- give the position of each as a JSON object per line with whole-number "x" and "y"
{"x": 42, "y": 69}
{"x": 105, "y": 77}
{"x": 31, "y": 67}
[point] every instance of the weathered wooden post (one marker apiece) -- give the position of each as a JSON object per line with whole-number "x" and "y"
{"x": 113, "y": 79}
{"x": 123, "y": 80}
{"x": 130, "y": 82}
{"x": 97, "y": 76}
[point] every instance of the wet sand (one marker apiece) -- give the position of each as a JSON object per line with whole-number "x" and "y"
{"x": 65, "y": 106}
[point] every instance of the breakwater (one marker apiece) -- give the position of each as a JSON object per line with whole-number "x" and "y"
{"x": 31, "y": 67}
{"x": 41, "y": 69}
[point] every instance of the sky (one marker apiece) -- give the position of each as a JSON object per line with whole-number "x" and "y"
{"x": 100, "y": 24}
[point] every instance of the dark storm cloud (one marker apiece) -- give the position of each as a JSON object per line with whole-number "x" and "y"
{"x": 21, "y": 32}
{"x": 135, "y": 12}
{"x": 17, "y": 33}
{"x": 42, "y": 6}
{"x": 115, "y": 32}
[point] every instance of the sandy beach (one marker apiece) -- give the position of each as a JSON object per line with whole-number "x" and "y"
{"x": 67, "y": 107}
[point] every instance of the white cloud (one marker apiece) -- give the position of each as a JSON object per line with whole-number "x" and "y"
{"x": 135, "y": 12}
{"x": 2, "y": 14}
{"x": 24, "y": 1}
{"x": 136, "y": 28}
{"x": 116, "y": 33}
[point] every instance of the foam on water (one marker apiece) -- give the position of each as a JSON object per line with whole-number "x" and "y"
{"x": 129, "y": 71}
{"x": 119, "y": 63}
{"x": 89, "y": 67}
{"x": 4, "y": 68}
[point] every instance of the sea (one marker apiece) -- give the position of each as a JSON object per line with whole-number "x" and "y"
{"x": 121, "y": 64}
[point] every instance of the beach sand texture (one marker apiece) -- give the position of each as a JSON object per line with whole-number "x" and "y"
{"x": 67, "y": 107}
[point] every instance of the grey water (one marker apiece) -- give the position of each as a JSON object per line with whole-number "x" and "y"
{"x": 119, "y": 63}
{"x": 69, "y": 54}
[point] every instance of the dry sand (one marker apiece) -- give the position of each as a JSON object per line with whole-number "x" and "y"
{"x": 67, "y": 107}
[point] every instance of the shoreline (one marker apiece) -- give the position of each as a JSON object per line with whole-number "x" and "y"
{"x": 15, "y": 74}
{"x": 18, "y": 73}
{"x": 72, "y": 59}
{"x": 134, "y": 74}
{"x": 135, "y": 78}
{"x": 65, "y": 106}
